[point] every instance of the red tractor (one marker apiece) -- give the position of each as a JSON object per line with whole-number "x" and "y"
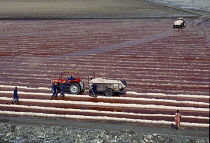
{"x": 73, "y": 83}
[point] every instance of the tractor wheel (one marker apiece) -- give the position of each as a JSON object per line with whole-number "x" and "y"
{"x": 109, "y": 92}
{"x": 74, "y": 88}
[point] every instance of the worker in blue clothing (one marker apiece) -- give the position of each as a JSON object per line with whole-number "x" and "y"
{"x": 55, "y": 93}
{"x": 71, "y": 78}
{"x": 94, "y": 89}
{"x": 62, "y": 89}
{"x": 16, "y": 98}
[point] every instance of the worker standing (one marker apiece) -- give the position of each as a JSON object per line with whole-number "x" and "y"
{"x": 55, "y": 93}
{"x": 16, "y": 98}
{"x": 94, "y": 89}
{"x": 62, "y": 89}
{"x": 90, "y": 87}
{"x": 177, "y": 119}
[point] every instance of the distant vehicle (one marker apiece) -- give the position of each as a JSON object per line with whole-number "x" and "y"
{"x": 72, "y": 81}
{"x": 179, "y": 23}
{"x": 109, "y": 87}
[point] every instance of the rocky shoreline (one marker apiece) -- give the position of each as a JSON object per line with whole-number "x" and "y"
{"x": 59, "y": 134}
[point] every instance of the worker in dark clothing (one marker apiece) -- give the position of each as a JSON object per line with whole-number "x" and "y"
{"x": 94, "y": 89}
{"x": 62, "y": 90}
{"x": 55, "y": 93}
{"x": 16, "y": 98}
{"x": 90, "y": 87}
{"x": 71, "y": 78}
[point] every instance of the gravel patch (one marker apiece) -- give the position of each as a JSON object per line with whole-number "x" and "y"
{"x": 59, "y": 134}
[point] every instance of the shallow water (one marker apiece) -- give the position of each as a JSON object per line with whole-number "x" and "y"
{"x": 188, "y": 4}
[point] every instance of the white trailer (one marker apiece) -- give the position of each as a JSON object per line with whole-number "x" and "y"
{"x": 109, "y": 87}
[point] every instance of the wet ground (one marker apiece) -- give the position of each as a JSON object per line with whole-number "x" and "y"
{"x": 149, "y": 54}
{"x": 166, "y": 69}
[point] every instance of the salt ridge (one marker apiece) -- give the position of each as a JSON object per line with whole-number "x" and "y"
{"x": 96, "y": 111}
{"x": 121, "y": 98}
{"x": 101, "y": 118}
{"x": 121, "y": 105}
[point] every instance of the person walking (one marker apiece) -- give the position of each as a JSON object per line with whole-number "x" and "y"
{"x": 177, "y": 119}
{"x": 55, "y": 93}
{"x": 16, "y": 98}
